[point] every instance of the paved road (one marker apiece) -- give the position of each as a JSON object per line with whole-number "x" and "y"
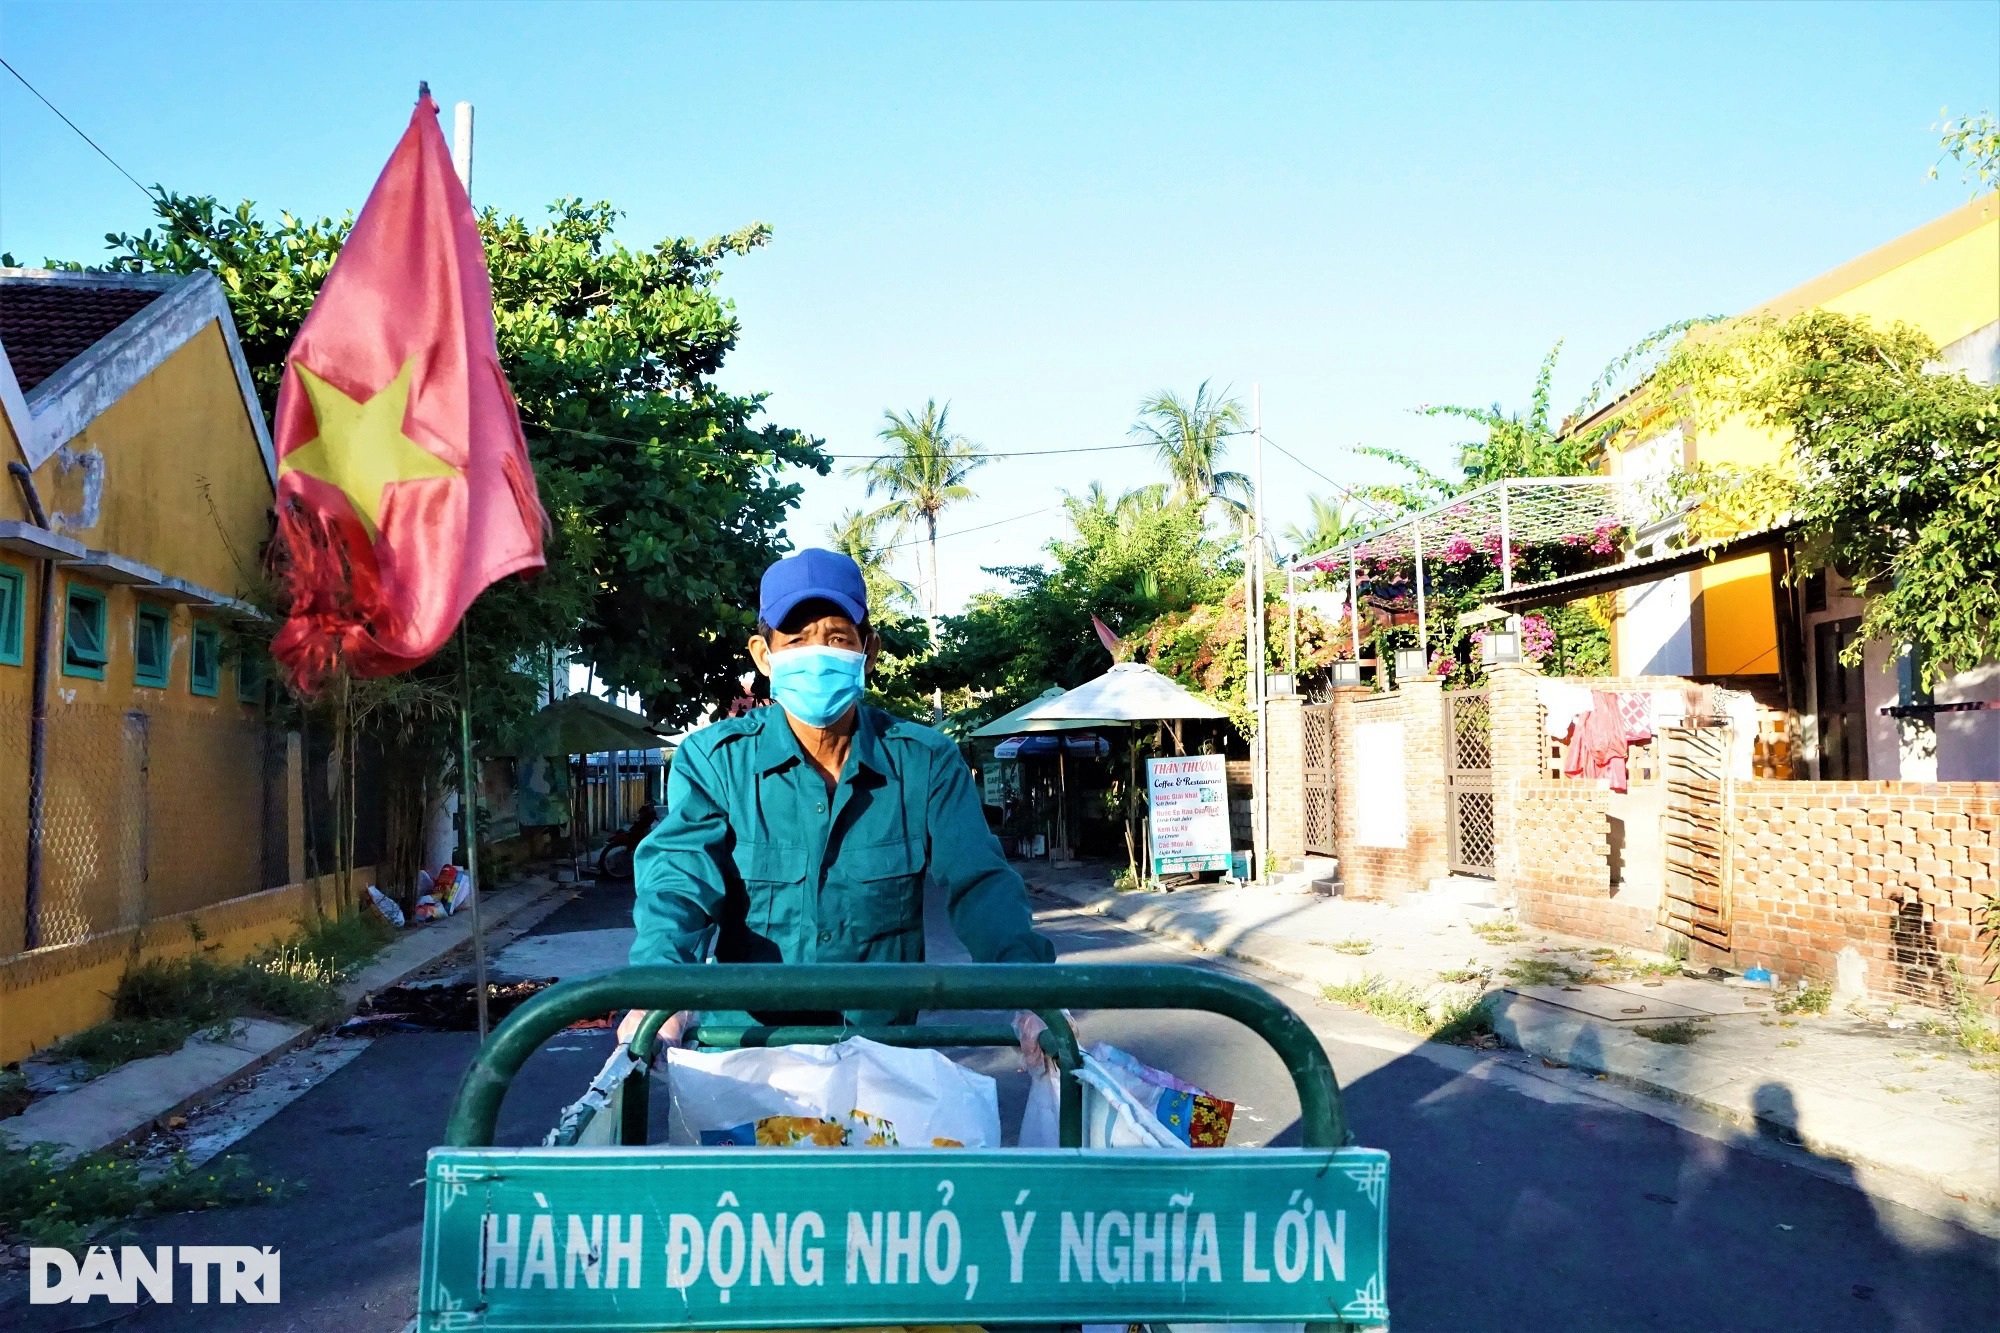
{"x": 1522, "y": 1199}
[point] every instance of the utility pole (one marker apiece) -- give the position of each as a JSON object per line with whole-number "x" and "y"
{"x": 461, "y": 162}
{"x": 1260, "y": 804}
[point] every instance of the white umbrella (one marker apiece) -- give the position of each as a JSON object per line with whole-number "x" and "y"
{"x": 1017, "y": 723}
{"x": 1129, "y": 692}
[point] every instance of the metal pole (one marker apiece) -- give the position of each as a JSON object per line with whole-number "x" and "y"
{"x": 461, "y": 162}
{"x": 470, "y": 813}
{"x": 1260, "y": 807}
{"x": 1354, "y": 602}
{"x": 1292, "y": 603}
{"x": 1423, "y": 626}
{"x": 1506, "y": 543}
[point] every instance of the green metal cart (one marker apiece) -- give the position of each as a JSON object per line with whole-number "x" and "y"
{"x": 634, "y": 1236}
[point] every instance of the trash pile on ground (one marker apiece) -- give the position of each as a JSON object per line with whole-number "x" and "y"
{"x": 441, "y": 1008}
{"x": 438, "y": 896}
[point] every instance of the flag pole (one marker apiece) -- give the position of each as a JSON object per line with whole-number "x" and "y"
{"x": 461, "y": 161}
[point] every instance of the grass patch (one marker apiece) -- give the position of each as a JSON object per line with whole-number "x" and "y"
{"x": 1896, "y": 1088}
{"x": 1354, "y": 947}
{"x": 14, "y": 1094}
{"x": 161, "y": 1003}
{"x": 1496, "y": 932}
{"x": 1621, "y": 966}
{"x": 1954, "y": 1101}
{"x": 1682, "y": 1033}
{"x": 1545, "y": 972}
{"x": 1814, "y": 999}
{"x": 1404, "y": 1007}
{"x": 1470, "y": 975}
{"x": 45, "y": 1201}
{"x": 1986, "y": 1066}
{"x": 1792, "y": 1042}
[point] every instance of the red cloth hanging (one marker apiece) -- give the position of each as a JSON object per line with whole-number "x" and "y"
{"x": 1597, "y": 746}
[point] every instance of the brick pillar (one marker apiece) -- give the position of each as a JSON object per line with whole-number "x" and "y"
{"x": 1346, "y": 774}
{"x": 1517, "y": 757}
{"x": 1423, "y": 775}
{"x": 1285, "y": 744}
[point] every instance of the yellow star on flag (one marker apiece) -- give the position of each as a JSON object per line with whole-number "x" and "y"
{"x": 361, "y": 447}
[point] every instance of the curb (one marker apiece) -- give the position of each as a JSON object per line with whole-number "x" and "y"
{"x": 1525, "y": 1024}
{"x": 185, "y": 1078}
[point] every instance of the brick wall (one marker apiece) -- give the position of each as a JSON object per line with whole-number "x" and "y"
{"x": 1892, "y": 869}
{"x": 1390, "y": 872}
{"x": 1561, "y": 874}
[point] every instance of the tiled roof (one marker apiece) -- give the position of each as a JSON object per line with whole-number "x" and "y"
{"x": 44, "y": 327}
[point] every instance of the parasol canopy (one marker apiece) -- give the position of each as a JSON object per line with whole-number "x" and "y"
{"x": 1129, "y": 692}
{"x": 584, "y": 724}
{"x": 1018, "y": 722}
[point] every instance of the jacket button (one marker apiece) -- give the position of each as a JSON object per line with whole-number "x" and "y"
{"x": 826, "y": 937}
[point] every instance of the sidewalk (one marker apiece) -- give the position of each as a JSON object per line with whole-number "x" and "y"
{"x": 1839, "y": 1085}
{"x": 131, "y": 1099}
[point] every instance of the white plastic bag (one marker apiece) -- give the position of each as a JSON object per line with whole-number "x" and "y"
{"x": 386, "y": 906}
{"x": 858, "y": 1093}
{"x": 1127, "y": 1104}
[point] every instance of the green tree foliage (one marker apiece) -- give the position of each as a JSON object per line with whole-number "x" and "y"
{"x": 662, "y": 488}
{"x": 1191, "y": 436}
{"x": 923, "y": 474}
{"x": 1128, "y": 560}
{"x": 1529, "y": 442}
{"x": 1974, "y": 143}
{"x": 1328, "y": 524}
{"x": 1896, "y": 466}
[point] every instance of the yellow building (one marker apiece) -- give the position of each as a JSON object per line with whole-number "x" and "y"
{"x": 131, "y": 527}
{"x": 1728, "y": 620}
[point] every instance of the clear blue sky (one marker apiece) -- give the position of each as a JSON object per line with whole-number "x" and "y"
{"x": 1042, "y": 213}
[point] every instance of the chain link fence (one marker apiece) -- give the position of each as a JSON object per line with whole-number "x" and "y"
{"x": 145, "y": 814}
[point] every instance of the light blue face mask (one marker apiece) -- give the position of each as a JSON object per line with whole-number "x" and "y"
{"x": 817, "y": 685}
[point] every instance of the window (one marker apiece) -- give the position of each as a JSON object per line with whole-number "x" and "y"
{"x": 13, "y": 598}
{"x": 152, "y": 646}
{"x": 83, "y": 633}
{"x": 250, "y": 677}
{"x": 205, "y": 663}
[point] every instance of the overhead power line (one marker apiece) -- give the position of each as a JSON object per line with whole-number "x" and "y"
{"x": 79, "y": 132}
{"x": 1346, "y": 491}
{"x": 865, "y": 458}
{"x": 919, "y": 541}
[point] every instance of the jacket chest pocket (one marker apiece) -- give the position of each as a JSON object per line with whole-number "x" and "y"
{"x": 885, "y": 887}
{"x": 773, "y": 877}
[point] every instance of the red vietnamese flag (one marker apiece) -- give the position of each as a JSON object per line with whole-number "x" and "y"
{"x": 404, "y": 487}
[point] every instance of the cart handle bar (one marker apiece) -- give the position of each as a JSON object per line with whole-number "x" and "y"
{"x": 900, "y": 987}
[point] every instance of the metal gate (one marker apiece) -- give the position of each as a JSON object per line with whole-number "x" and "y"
{"x": 1695, "y": 898}
{"x": 1318, "y": 778}
{"x": 1468, "y": 749}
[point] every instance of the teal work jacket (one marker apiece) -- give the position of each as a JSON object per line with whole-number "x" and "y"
{"x": 753, "y": 844}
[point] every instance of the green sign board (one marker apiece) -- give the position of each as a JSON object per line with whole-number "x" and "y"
{"x": 704, "y": 1238}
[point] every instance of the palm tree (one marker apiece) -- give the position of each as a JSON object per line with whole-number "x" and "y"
{"x": 858, "y": 535}
{"x": 1332, "y": 523}
{"x": 923, "y": 475}
{"x": 1192, "y": 437}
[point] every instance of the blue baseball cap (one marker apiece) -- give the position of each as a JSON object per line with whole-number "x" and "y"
{"x": 812, "y": 573}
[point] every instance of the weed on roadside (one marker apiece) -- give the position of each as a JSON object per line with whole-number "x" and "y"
{"x": 1470, "y": 975}
{"x": 1794, "y": 1041}
{"x": 164, "y": 1001}
{"x": 1681, "y": 1033}
{"x": 1975, "y": 1032}
{"x": 1497, "y": 932}
{"x": 14, "y": 1094}
{"x": 1545, "y": 972}
{"x": 1892, "y": 1087}
{"x": 1986, "y": 1066}
{"x": 1354, "y": 947}
{"x": 1814, "y": 999}
{"x": 1621, "y": 966}
{"x": 46, "y": 1201}
{"x": 1457, "y": 1020}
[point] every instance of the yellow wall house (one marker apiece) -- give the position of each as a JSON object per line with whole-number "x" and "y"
{"x": 1720, "y": 621}
{"x": 165, "y": 801}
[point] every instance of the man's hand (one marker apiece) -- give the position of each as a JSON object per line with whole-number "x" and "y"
{"x": 672, "y": 1032}
{"x": 1029, "y": 1028}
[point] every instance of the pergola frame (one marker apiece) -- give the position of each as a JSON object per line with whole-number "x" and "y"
{"x": 1518, "y": 509}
